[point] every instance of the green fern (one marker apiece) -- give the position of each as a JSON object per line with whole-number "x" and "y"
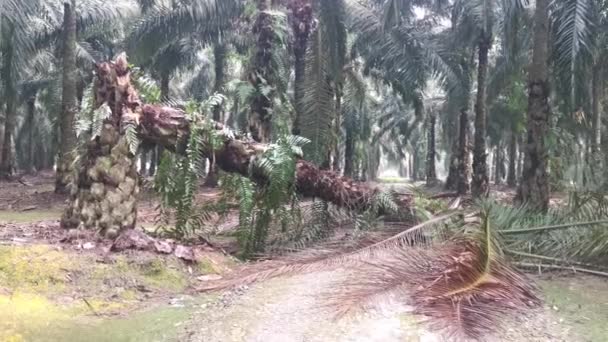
{"x": 131, "y": 136}
{"x": 177, "y": 177}
{"x": 278, "y": 164}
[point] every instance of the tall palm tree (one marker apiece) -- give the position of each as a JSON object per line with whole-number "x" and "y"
{"x": 534, "y": 187}
{"x": 260, "y": 123}
{"x": 219, "y": 61}
{"x": 18, "y": 29}
{"x": 14, "y": 49}
{"x": 480, "y": 182}
{"x": 8, "y": 31}
{"x": 69, "y": 102}
{"x": 29, "y": 26}
{"x": 302, "y": 24}
{"x": 477, "y": 19}
{"x": 320, "y": 118}
{"x": 385, "y": 42}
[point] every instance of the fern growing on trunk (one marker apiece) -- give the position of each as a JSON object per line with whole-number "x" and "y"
{"x": 178, "y": 175}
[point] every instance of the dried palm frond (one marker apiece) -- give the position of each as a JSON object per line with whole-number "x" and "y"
{"x": 338, "y": 253}
{"x": 462, "y": 285}
{"x": 571, "y": 235}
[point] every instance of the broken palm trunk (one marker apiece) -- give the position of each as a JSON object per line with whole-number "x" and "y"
{"x": 103, "y": 195}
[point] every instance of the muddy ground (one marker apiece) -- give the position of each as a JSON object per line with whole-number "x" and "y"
{"x": 57, "y": 290}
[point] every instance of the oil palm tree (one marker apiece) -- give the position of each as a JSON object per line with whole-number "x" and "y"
{"x": 69, "y": 102}
{"x": 14, "y": 49}
{"x": 29, "y": 26}
{"x": 303, "y": 24}
{"x": 573, "y": 42}
{"x": 390, "y": 46}
{"x": 477, "y": 23}
{"x": 534, "y": 188}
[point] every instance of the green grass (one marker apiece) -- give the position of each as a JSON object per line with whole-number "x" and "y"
{"x": 582, "y": 302}
{"x": 28, "y": 216}
{"x": 42, "y": 290}
{"x": 40, "y": 320}
{"x": 393, "y": 180}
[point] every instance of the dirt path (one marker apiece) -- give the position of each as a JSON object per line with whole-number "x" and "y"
{"x": 283, "y": 310}
{"x": 290, "y": 310}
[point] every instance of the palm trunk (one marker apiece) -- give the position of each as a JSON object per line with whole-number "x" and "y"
{"x": 415, "y": 164}
{"x": 479, "y": 184}
{"x": 451, "y": 180}
{"x": 520, "y": 157}
{"x": 337, "y": 129}
{"x": 219, "y": 53}
{"x": 260, "y": 122}
{"x": 69, "y": 105}
{"x": 462, "y": 182}
{"x": 512, "y": 172}
{"x": 349, "y": 153}
{"x": 498, "y": 165}
{"x": 596, "y": 139}
{"x": 534, "y": 189}
{"x": 106, "y": 185}
{"x": 302, "y": 25}
{"x": 31, "y": 112}
{"x": 7, "y": 165}
{"x": 10, "y": 94}
{"x": 431, "y": 172}
{"x": 165, "y": 81}
{"x": 409, "y": 166}
{"x": 165, "y": 95}
{"x": 143, "y": 163}
{"x": 2, "y": 124}
{"x": 154, "y": 160}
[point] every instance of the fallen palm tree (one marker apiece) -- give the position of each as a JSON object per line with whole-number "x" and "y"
{"x": 105, "y": 188}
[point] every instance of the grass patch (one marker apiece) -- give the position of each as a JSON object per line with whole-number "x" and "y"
{"x": 582, "y": 302}
{"x": 163, "y": 275}
{"x": 46, "y": 271}
{"x": 26, "y": 317}
{"x": 35, "y": 268}
{"x": 393, "y": 180}
{"x": 7, "y": 216}
{"x": 43, "y": 292}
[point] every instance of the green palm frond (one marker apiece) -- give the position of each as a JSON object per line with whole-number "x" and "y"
{"x": 407, "y": 53}
{"x": 333, "y": 36}
{"x": 174, "y": 55}
{"x": 200, "y": 84}
{"x": 355, "y": 89}
{"x": 207, "y": 19}
{"x": 574, "y": 23}
{"x": 575, "y": 234}
{"x": 318, "y": 101}
{"x": 91, "y": 16}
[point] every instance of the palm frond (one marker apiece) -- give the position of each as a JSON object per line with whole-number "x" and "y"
{"x": 333, "y": 27}
{"x": 317, "y": 101}
{"x": 207, "y": 19}
{"x": 574, "y": 23}
{"x": 407, "y": 53}
{"x": 462, "y": 285}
